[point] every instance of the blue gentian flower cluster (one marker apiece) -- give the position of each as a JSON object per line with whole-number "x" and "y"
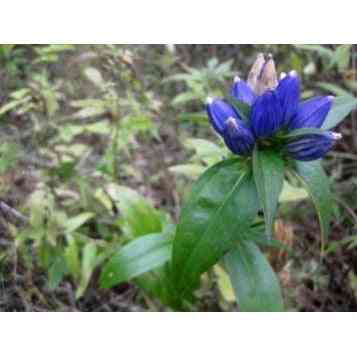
{"x": 275, "y": 108}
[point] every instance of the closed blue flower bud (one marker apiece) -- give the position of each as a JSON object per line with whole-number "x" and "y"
{"x": 311, "y": 113}
{"x": 238, "y": 137}
{"x": 218, "y": 112}
{"x": 289, "y": 95}
{"x": 241, "y": 91}
{"x": 312, "y": 147}
{"x": 266, "y": 115}
{"x": 274, "y": 109}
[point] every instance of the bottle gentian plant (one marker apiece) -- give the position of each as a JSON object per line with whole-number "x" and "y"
{"x": 232, "y": 207}
{"x": 275, "y": 111}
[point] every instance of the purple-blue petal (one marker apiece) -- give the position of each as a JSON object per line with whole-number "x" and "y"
{"x": 312, "y": 147}
{"x": 311, "y": 113}
{"x": 266, "y": 115}
{"x": 289, "y": 95}
{"x": 238, "y": 137}
{"x": 241, "y": 91}
{"x": 218, "y": 112}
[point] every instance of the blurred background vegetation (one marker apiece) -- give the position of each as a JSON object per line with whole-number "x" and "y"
{"x": 99, "y": 146}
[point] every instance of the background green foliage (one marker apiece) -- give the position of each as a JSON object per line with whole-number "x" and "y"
{"x": 99, "y": 148}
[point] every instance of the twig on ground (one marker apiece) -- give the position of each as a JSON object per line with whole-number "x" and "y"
{"x": 13, "y": 213}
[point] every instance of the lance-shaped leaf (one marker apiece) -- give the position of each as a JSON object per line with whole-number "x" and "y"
{"x": 317, "y": 184}
{"x": 158, "y": 284}
{"x": 220, "y": 210}
{"x": 342, "y": 106}
{"x": 298, "y": 133}
{"x": 138, "y": 216}
{"x": 74, "y": 223}
{"x": 242, "y": 108}
{"x": 268, "y": 168}
{"x": 137, "y": 257}
{"x": 254, "y": 282}
{"x": 257, "y": 235}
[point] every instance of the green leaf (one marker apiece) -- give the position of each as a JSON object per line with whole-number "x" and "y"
{"x": 322, "y": 50}
{"x": 138, "y": 216}
{"x": 221, "y": 208}
{"x": 56, "y": 272}
{"x": 333, "y": 88}
{"x": 342, "y": 106}
{"x": 184, "y": 98}
{"x": 65, "y": 170}
{"x": 291, "y": 193}
{"x": 158, "y": 284}
{"x": 89, "y": 262}
{"x": 206, "y": 151}
{"x": 342, "y": 57}
{"x": 9, "y": 106}
{"x": 257, "y": 235}
{"x": 268, "y": 168}
{"x": 192, "y": 171}
{"x": 199, "y": 118}
{"x": 74, "y": 223}
{"x": 297, "y": 133}
{"x": 9, "y": 156}
{"x": 72, "y": 258}
{"x": 137, "y": 257}
{"x": 89, "y": 112}
{"x": 335, "y": 245}
{"x": 317, "y": 184}
{"x": 255, "y": 283}
{"x": 20, "y": 93}
{"x": 242, "y": 108}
